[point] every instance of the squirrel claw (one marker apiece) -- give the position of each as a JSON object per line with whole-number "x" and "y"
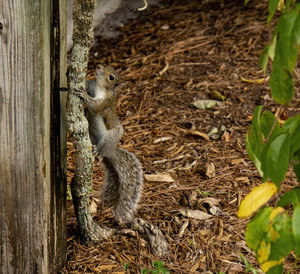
{"x": 94, "y": 150}
{"x": 79, "y": 92}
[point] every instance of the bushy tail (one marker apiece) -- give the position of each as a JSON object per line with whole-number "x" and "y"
{"x": 123, "y": 183}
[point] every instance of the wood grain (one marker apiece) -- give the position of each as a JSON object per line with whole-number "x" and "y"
{"x": 31, "y": 206}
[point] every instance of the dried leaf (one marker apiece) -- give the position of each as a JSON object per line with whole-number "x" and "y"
{"x": 243, "y": 179}
{"x": 198, "y": 133}
{"x": 162, "y": 177}
{"x": 93, "y": 207}
{"x": 214, "y": 210}
{"x": 174, "y": 185}
{"x": 214, "y": 133}
{"x": 225, "y": 137}
{"x": 210, "y": 170}
{"x": 196, "y": 214}
{"x": 205, "y": 104}
{"x": 183, "y": 228}
{"x": 162, "y": 139}
{"x": 235, "y": 162}
{"x": 210, "y": 201}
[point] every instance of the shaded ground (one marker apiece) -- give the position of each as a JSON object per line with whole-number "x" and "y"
{"x": 183, "y": 52}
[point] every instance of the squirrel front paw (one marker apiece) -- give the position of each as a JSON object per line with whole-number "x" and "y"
{"x": 80, "y": 92}
{"x": 95, "y": 150}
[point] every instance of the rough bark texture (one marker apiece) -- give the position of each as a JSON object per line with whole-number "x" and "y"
{"x": 32, "y": 191}
{"x": 77, "y": 123}
{"x": 154, "y": 236}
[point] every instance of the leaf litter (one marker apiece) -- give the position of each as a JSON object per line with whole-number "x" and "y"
{"x": 177, "y": 54}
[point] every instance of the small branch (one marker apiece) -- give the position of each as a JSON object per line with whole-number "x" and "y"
{"x": 83, "y": 36}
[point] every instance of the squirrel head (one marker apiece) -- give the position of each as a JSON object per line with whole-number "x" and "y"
{"x": 106, "y": 77}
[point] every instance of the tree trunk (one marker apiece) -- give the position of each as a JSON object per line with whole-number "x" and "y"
{"x": 83, "y": 37}
{"x": 32, "y": 141}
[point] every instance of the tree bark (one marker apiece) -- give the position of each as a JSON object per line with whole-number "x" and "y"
{"x": 83, "y": 36}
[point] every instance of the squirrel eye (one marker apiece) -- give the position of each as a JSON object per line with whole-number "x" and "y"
{"x": 111, "y": 77}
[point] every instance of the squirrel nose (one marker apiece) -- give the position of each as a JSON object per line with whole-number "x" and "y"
{"x": 100, "y": 70}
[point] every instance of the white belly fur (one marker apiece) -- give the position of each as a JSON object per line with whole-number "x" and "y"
{"x": 100, "y": 94}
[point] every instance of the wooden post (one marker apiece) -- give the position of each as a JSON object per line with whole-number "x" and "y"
{"x": 32, "y": 137}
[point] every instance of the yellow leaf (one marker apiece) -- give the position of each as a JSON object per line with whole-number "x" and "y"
{"x": 256, "y": 198}
{"x": 275, "y": 211}
{"x": 267, "y": 265}
{"x": 274, "y": 235}
{"x": 254, "y": 81}
{"x": 263, "y": 252}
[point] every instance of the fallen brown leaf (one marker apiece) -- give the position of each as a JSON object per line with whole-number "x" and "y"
{"x": 163, "y": 177}
{"x": 196, "y": 214}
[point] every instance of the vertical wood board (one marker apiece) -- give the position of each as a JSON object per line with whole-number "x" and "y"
{"x": 28, "y": 221}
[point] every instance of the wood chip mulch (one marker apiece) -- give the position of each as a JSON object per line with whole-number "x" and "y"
{"x": 182, "y": 52}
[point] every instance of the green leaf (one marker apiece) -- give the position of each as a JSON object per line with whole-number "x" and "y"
{"x": 287, "y": 5}
{"x": 271, "y": 51}
{"x": 246, "y": 1}
{"x": 254, "y": 138}
{"x": 264, "y": 58}
{"x": 292, "y": 126}
{"x": 273, "y": 4}
{"x": 266, "y": 123}
{"x": 280, "y": 236}
{"x": 268, "y": 51}
{"x": 257, "y": 227}
{"x": 296, "y": 157}
{"x": 275, "y": 159}
{"x": 286, "y": 53}
{"x": 296, "y": 229}
{"x": 158, "y": 264}
{"x": 249, "y": 267}
{"x": 278, "y": 269}
{"x": 126, "y": 266}
{"x": 290, "y": 197}
{"x": 296, "y": 31}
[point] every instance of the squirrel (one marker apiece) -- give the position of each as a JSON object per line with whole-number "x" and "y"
{"x": 123, "y": 172}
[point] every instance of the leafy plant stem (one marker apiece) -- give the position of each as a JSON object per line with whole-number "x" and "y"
{"x": 273, "y": 126}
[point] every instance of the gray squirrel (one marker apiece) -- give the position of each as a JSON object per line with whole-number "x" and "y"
{"x": 123, "y": 182}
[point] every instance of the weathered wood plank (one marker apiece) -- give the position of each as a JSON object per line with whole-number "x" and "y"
{"x": 32, "y": 230}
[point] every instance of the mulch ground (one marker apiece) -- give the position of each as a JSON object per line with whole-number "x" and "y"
{"x": 180, "y": 53}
